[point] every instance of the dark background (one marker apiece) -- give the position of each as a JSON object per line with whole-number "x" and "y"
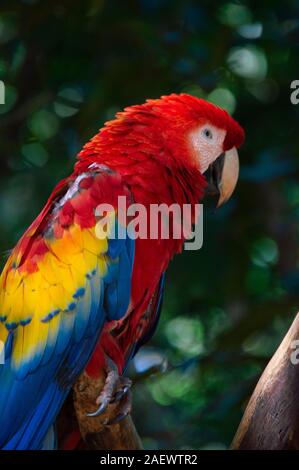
{"x": 70, "y": 65}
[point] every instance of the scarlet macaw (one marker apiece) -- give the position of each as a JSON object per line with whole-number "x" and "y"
{"x": 71, "y": 300}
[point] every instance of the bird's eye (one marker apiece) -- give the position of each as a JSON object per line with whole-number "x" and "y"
{"x": 207, "y": 133}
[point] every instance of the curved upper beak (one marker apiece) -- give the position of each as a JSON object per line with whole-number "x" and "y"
{"x": 222, "y": 176}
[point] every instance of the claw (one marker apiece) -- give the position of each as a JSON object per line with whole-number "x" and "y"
{"x": 99, "y": 411}
{"x": 120, "y": 394}
{"x": 117, "y": 419}
{"x": 125, "y": 408}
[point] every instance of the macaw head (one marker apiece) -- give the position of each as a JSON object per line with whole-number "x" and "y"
{"x": 212, "y": 137}
{"x": 180, "y": 132}
{"x": 199, "y": 135}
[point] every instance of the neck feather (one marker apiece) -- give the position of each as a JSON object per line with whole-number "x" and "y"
{"x": 147, "y": 166}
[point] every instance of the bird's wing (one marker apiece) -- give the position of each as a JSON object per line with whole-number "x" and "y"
{"x": 67, "y": 276}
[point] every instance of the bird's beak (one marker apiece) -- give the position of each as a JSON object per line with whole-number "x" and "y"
{"x": 222, "y": 176}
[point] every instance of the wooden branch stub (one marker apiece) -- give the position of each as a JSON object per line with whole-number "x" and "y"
{"x": 271, "y": 419}
{"x": 121, "y": 436}
{"x": 96, "y": 434}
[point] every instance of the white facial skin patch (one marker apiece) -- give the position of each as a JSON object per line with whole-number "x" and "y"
{"x": 207, "y": 144}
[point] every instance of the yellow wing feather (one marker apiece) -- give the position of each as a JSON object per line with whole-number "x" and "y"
{"x": 36, "y": 303}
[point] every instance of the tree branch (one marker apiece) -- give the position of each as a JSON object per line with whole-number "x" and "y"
{"x": 271, "y": 419}
{"x": 96, "y": 434}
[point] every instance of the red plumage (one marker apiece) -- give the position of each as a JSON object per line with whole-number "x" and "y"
{"x": 147, "y": 145}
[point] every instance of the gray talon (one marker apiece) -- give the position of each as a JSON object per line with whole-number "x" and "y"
{"x": 99, "y": 411}
{"x": 117, "y": 419}
{"x": 120, "y": 394}
{"x": 125, "y": 408}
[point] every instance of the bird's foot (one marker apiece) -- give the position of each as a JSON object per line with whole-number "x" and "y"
{"x": 116, "y": 390}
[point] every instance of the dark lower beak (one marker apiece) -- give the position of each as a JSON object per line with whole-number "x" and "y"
{"x": 222, "y": 176}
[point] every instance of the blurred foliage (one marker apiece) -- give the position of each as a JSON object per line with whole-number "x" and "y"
{"x": 70, "y": 65}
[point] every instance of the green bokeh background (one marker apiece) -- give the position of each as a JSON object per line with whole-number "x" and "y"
{"x": 70, "y": 65}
